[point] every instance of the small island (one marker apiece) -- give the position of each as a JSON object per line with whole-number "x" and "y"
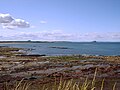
{"x": 94, "y": 41}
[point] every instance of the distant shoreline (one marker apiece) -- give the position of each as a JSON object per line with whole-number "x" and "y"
{"x": 6, "y": 42}
{"x": 29, "y": 41}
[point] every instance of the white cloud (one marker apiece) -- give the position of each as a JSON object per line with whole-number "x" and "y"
{"x": 8, "y": 22}
{"x": 45, "y": 35}
{"x": 16, "y": 23}
{"x": 6, "y": 18}
{"x": 107, "y": 36}
{"x": 59, "y": 35}
{"x": 6, "y": 26}
{"x": 43, "y": 22}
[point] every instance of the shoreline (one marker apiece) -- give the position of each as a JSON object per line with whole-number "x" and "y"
{"x": 43, "y": 69}
{"x": 62, "y": 49}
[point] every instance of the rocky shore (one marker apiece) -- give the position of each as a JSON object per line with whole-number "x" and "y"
{"x": 15, "y": 66}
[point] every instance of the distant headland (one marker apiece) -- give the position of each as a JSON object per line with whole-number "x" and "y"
{"x": 29, "y": 41}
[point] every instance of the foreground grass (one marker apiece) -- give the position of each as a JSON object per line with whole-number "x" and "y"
{"x": 61, "y": 85}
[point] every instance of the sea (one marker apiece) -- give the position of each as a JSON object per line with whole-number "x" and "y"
{"x": 69, "y": 48}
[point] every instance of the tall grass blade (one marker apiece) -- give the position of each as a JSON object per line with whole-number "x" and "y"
{"x": 102, "y": 84}
{"x": 114, "y": 86}
{"x": 93, "y": 81}
{"x": 19, "y": 84}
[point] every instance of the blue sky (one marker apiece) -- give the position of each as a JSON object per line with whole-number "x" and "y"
{"x": 60, "y": 20}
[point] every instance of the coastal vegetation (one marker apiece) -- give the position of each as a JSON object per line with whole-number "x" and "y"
{"x": 19, "y": 71}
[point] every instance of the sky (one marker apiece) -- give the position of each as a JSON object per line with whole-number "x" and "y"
{"x": 60, "y": 20}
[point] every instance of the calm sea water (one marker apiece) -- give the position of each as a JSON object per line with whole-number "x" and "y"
{"x": 70, "y": 48}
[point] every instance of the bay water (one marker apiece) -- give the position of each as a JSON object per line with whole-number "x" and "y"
{"x": 69, "y": 48}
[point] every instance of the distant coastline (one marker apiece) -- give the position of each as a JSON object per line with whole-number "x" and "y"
{"x": 26, "y": 42}
{"x": 29, "y": 41}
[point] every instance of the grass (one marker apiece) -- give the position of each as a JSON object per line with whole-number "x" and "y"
{"x": 61, "y": 85}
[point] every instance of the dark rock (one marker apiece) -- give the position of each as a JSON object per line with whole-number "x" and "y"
{"x": 32, "y": 78}
{"x": 56, "y": 74}
{"x": 60, "y": 47}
